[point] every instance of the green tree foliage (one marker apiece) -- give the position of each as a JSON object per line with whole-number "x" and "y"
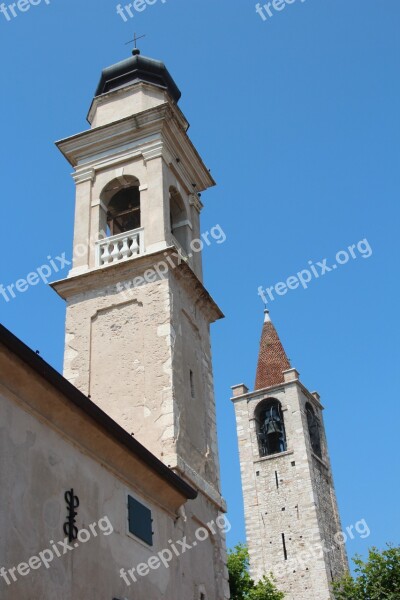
{"x": 376, "y": 579}
{"x": 241, "y": 584}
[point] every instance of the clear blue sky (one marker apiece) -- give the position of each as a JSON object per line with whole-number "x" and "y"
{"x": 298, "y": 119}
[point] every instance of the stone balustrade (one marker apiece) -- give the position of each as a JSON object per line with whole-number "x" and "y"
{"x": 119, "y": 247}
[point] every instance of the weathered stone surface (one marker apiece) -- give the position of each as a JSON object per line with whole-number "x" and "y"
{"x": 289, "y": 494}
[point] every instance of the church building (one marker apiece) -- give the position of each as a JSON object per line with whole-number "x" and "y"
{"x": 110, "y": 473}
{"x": 291, "y": 513}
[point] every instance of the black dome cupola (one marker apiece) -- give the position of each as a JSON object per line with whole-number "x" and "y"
{"x": 135, "y": 70}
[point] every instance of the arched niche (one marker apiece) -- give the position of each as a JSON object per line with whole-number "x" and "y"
{"x": 121, "y": 198}
{"x": 314, "y": 430}
{"x": 270, "y": 427}
{"x": 179, "y": 222}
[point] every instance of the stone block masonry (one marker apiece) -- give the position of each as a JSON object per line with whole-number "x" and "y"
{"x": 289, "y": 498}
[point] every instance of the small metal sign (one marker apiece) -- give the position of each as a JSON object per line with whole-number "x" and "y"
{"x": 70, "y": 528}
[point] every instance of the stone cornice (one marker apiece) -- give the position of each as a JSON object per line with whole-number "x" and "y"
{"x": 187, "y": 473}
{"x": 150, "y": 134}
{"x": 313, "y": 400}
{"x": 112, "y": 275}
{"x": 268, "y": 391}
{"x": 83, "y": 175}
{"x": 196, "y": 202}
{"x": 204, "y": 301}
{"x": 274, "y": 456}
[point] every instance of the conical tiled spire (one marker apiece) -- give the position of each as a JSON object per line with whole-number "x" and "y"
{"x": 272, "y": 359}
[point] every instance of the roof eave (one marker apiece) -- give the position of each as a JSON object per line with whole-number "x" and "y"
{"x": 46, "y": 371}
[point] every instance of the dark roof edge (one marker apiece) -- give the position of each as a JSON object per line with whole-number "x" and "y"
{"x": 59, "y": 382}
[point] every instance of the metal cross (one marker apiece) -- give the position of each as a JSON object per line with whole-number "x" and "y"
{"x": 135, "y": 39}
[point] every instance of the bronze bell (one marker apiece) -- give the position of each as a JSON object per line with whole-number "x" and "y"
{"x": 273, "y": 428}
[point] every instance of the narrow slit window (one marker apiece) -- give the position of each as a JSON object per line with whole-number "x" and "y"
{"x": 284, "y": 546}
{"x": 192, "y": 387}
{"x": 276, "y": 480}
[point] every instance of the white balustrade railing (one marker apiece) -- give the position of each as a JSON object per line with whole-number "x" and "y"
{"x": 119, "y": 247}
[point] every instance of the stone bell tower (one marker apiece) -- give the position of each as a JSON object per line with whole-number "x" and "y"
{"x": 291, "y": 513}
{"x": 138, "y": 315}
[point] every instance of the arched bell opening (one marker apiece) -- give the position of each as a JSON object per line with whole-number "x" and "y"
{"x": 270, "y": 427}
{"x": 314, "y": 430}
{"x": 121, "y": 197}
{"x": 179, "y": 222}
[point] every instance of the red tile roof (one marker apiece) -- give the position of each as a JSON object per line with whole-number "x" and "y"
{"x": 272, "y": 359}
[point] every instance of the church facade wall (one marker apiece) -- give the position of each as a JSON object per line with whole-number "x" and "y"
{"x": 40, "y": 464}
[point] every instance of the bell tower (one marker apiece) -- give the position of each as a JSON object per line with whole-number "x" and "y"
{"x": 138, "y": 315}
{"x": 291, "y": 513}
